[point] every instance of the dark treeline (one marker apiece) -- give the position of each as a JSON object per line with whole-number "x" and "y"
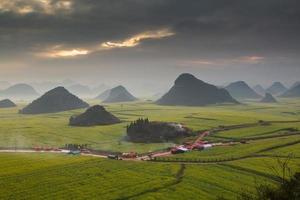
{"x": 76, "y": 146}
{"x": 287, "y": 187}
{"x": 287, "y": 190}
{"x": 142, "y": 130}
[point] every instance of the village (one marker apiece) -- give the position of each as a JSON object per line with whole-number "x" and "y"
{"x": 199, "y": 144}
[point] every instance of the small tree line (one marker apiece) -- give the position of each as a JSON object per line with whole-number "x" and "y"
{"x": 142, "y": 130}
{"x": 76, "y": 146}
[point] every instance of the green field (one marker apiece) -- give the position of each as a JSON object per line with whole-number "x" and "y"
{"x": 36, "y": 176}
{"x": 52, "y": 129}
{"x": 221, "y": 153}
{"x": 272, "y": 130}
{"x": 219, "y": 171}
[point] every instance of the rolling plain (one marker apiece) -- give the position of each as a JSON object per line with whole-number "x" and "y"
{"x": 220, "y": 171}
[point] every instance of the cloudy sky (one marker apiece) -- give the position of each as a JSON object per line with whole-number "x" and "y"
{"x": 149, "y": 42}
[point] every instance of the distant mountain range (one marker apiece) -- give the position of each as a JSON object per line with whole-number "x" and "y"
{"x": 84, "y": 90}
{"x": 241, "y": 90}
{"x": 100, "y": 88}
{"x": 295, "y": 84}
{"x": 79, "y": 89}
{"x": 268, "y": 98}
{"x": 72, "y": 86}
{"x": 277, "y": 88}
{"x": 19, "y": 91}
{"x": 119, "y": 94}
{"x": 22, "y": 91}
{"x": 293, "y": 92}
{"x": 259, "y": 90}
{"x": 190, "y": 91}
{"x": 103, "y": 95}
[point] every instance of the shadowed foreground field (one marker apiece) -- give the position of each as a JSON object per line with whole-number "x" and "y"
{"x": 48, "y": 176}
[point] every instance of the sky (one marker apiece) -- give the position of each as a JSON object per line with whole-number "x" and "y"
{"x": 148, "y": 43}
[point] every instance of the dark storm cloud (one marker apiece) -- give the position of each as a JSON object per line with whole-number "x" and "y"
{"x": 91, "y": 21}
{"x": 209, "y": 33}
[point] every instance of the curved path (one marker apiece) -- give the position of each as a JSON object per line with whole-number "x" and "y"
{"x": 158, "y": 154}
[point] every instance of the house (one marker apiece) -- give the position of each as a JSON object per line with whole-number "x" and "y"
{"x": 129, "y": 155}
{"x": 114, "y": 157}
{"x": 76, "y": 152}
{"x": 179, "y": 149}
{"x": 207, "y": 146}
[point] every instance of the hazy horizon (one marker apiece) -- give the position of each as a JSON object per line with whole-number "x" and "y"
{"x": 144, "y": 89}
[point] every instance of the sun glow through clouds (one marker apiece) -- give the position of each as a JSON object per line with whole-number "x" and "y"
{"x": 55, "y": 53}
{"x": 135, "y": 40}
{"x": 48, "y": 7}
{"x": 59, "y": 51}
